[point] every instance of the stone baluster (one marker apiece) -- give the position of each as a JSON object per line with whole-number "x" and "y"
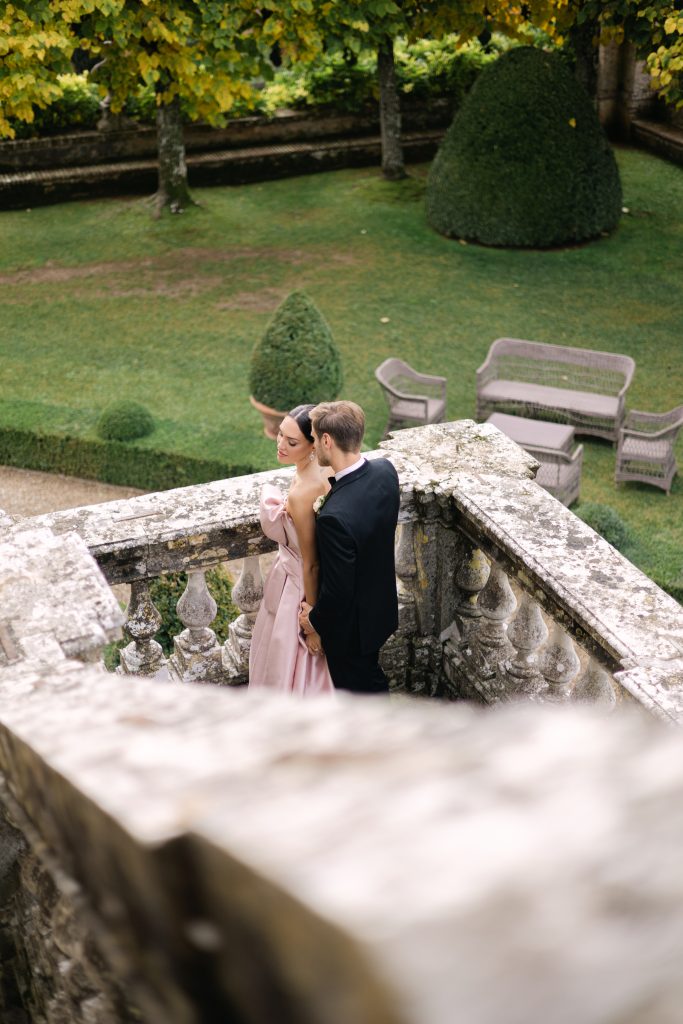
{"x": 470, "y": 579}
{"x": 594, "y": 686}
{"x": 519, "y": 675}
{"x": 490, "y": 644}
{"x": 143, "y": 656}
{"x": 406, "y": 573}
{"x": 558, "y": 664}
{"x": 246, "y": 594}
{"x": 196, "y": 652}
{"x": 396, "y": 657}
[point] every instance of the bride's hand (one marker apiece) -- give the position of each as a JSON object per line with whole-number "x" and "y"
{"x": 313, "y": 643}
{"x": 304, "y": 624}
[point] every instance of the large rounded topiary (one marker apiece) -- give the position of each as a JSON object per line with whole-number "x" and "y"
{"x": 296, "y": 360}
{"x": 525, "y": 162}
{"x": 125, "y": 421}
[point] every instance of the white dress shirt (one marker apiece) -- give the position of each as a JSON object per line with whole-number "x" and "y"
{"x": 349, "y": 469}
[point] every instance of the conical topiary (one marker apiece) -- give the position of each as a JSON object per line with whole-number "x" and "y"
{"x": 296, "y": 361}
{"x": 525, "y": 161}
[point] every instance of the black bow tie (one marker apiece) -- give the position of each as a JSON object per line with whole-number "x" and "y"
{"x": 332, "y": 480}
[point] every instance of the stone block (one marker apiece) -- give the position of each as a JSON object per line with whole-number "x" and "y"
{"x": 54, "y": 601}
{"x": 355, "y": 860}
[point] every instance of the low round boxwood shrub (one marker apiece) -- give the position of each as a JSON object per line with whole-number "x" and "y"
{"x": 525, "y": 161}
{"x": 125, "y": 421}
{"x": 296, "y": 361}
{"x": 607, "y": 522}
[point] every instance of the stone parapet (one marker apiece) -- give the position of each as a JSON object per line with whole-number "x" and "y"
{"x": 256, "y": 859}
{"x": 468, "y": 484}
{"x": 468, "y": 500}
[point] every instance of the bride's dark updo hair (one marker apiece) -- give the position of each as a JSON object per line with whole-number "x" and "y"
{"x": 301, "y": 414}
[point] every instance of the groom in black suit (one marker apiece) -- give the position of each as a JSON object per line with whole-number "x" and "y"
{"x": 357, "y": 607}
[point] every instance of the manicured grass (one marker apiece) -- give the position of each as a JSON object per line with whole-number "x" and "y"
{"x": 100, "y": 302}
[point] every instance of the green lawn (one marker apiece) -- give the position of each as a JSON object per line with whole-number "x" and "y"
{"x": 101, "y": 302}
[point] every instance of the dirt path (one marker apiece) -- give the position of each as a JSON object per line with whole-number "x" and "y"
{"x": 24, "y": 492}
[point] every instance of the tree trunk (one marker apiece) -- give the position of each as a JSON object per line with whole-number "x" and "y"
{"x": 586, "y": 54}
{"x": 389, "y": 113}
{"x": 173, "y": 191}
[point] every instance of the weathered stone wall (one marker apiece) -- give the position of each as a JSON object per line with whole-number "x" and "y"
{"x": 629, "y": 108}
{"x": 138, "y": 142}
{"x": 52, "y": 969}
{"x": 624, "y": 90}
{"x": 259, "y": 860}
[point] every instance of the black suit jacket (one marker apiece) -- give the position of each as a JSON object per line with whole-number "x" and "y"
{"x": 357, "y": 606}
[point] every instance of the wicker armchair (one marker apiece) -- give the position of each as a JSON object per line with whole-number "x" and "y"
{"x": 646, "y": 447}
{"x": 559, "y": 472}
{"x": 413, "y": 398}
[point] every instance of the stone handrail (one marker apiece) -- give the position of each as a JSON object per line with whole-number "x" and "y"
{"x": 225, "y": 856}
{"x": 504, "y": 592}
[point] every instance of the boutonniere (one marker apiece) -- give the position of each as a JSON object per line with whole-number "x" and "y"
{"x": 318, "y": 503}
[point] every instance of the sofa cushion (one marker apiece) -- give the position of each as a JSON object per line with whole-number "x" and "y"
{"x": 584, "y": 402}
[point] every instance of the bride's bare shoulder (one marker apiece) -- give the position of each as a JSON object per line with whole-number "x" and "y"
{"x": 304, "y": 494}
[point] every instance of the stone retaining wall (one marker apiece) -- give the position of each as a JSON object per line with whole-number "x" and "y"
{"x": 81, "y": 149}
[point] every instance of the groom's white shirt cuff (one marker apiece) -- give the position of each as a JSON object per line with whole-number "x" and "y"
{"x": 349, "y": 469}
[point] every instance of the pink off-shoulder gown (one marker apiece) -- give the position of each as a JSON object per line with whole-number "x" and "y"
{"x": 279, "y": 659}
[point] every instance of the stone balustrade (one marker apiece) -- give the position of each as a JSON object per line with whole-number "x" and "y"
{"x": 504, "y": 593}
{"x": 192, "y": 853}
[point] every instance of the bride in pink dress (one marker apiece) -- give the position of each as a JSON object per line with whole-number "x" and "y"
{"x": 280, "y": 658}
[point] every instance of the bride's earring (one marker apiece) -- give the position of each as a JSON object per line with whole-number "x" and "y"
{"x": 311, "y": 457}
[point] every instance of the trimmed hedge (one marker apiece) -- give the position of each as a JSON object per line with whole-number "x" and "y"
{"x": 111, "y": 462}
{"x": 526, "y": 161}
{"x": 296, "y": 361}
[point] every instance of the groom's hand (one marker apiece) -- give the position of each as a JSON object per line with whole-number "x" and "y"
{"x": 304, "y": 623}
{"x": 311, "y": 638}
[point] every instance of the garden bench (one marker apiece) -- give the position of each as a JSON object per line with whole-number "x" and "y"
{"x": 555, "y": 382}
{"x": 552, "y": 444}
{"x": 412, "y": 397}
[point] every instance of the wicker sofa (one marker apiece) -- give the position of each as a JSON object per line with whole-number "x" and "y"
{"x": 555, "y": 382}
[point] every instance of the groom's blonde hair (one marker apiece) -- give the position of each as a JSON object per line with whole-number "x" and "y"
{"x": 343, "y": 421}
